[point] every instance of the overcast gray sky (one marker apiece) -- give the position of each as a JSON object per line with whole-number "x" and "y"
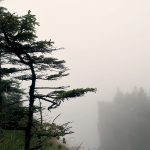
{"x": 107, "y": 45}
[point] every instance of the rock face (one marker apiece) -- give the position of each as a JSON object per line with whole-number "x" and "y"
{"x": 124, "y": 124}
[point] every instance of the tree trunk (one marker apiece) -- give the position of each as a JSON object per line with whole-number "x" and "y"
{"x": 0, "y": 83}
{"x": 28, "y": 131}
{"x": 41, "y": 121}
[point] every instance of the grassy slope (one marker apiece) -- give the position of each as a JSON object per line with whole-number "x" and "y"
{"x": 14, "y": 141}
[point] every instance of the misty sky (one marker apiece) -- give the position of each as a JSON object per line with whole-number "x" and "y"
{"x": 107, "y": 45}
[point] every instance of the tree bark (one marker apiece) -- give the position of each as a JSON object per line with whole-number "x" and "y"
{"x": 1, "y": 101}
{"x": 28, "y": 131}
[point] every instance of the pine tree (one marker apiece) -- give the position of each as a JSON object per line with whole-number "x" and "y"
{"x": 32, "y": 59}
{"x": 11, "y": 108}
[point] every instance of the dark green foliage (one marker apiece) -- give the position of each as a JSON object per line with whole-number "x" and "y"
{"x": 7, "y": 71}
{"x": 10, "y": 87}
{"x": 12, "y": 112}
{"x": 73, "y": 93}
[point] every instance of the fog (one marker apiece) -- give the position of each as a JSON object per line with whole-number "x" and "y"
{"x": 106, "y": 46}
{"x": 124, "y": 122}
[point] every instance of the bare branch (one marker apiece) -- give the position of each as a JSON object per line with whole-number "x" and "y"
{"x": 56, "y": 118}
{"x": 61, "y": 87}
